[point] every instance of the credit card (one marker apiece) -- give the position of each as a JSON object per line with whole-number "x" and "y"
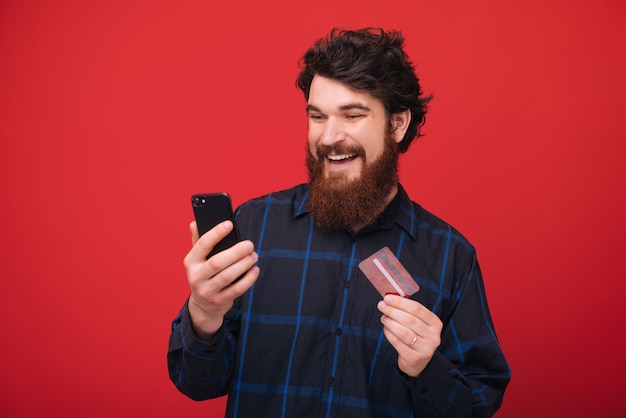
{"x": 387, "y": 274}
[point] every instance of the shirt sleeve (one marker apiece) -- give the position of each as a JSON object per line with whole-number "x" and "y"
{"x": 468, "y": 374}
{"x": 197, "y": 368}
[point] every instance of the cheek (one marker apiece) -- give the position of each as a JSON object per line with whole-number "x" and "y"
{"x": 311, "y": 143}
{"x": 312, "y": 137}
{"x": 373, "y": 150}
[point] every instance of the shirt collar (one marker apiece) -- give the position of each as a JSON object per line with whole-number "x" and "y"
{"x": 399, "y": 211}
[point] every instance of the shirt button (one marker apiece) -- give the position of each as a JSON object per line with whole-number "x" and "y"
{"x": 331, "y": 381}
{"x": 338, "y": 331}
{"x": 347, "y": 284}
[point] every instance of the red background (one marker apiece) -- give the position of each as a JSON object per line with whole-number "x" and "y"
{"x": 112, "y": 113}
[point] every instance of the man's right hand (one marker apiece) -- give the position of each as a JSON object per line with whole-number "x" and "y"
{"x": 212, "y": 293}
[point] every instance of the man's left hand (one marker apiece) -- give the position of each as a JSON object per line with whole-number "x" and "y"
{"x": 413, "y": 330}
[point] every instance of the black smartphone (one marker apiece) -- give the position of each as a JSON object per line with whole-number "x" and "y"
{"x": 209, "y": 210}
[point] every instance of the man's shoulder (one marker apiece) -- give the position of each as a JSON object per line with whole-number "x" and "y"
{"x": 286, "y": 198}
{"x": 281, "y": 209}
{"x": 431, "y": 224}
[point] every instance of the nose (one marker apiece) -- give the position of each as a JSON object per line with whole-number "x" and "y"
{"x": 332, "y": 132}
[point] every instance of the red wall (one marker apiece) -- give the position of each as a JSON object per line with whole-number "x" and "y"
{"x": 112, "y": 113}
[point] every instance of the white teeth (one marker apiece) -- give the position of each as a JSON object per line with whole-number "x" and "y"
{"x": 340, "y": 157}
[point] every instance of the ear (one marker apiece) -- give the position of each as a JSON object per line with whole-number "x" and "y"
{"x": 400, "y": 122}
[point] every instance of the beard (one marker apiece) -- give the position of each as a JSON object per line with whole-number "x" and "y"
{"x": 337, "y": 202}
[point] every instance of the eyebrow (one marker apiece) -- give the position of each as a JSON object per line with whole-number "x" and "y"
{"x": 348, "y": 106}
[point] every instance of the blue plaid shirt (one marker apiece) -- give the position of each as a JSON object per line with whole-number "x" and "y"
{"x": 306, "y": 340}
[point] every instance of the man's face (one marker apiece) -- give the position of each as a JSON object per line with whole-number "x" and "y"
{"x": 352, "y": 158}
{"x": 346, "y": 128}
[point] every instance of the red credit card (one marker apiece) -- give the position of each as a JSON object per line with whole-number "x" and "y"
{"x": 387, "y": 274}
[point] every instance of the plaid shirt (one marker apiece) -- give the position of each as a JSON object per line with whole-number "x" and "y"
{"x": 306, "y": 340}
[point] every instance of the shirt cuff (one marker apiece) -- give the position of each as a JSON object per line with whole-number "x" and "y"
{"x": 193, "y": 343}
{"x": 433, "y": 384}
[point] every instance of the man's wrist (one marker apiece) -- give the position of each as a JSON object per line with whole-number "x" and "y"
{"x": 203, "y": 326}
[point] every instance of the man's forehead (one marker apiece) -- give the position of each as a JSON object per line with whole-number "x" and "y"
{"x": 336, "y": 95}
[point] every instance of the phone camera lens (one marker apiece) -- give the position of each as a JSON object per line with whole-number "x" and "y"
{"x": 198, "y": 201}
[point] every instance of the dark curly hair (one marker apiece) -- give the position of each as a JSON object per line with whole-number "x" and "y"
{"x": 370, "y": 60}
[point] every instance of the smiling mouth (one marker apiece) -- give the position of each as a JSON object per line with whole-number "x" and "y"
{"x": 337, "y": 159}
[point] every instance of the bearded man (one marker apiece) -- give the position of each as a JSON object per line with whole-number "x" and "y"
{"x": 303, "y": 333}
